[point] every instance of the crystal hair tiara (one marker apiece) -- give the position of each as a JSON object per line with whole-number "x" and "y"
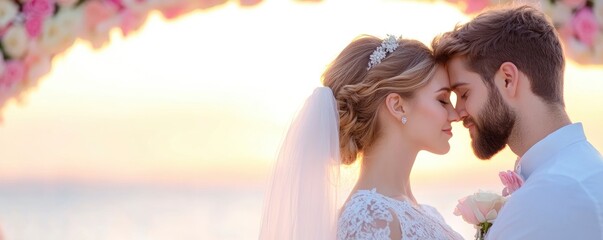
{"x": 389, "y": 45}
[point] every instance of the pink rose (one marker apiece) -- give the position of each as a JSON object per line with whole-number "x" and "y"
{"x": 474, "y": 6}
{"x": 118, "y": 3}
{"x": 96, "y": 12}
{"x": 585, "y": 26}
{"x": 39, "y": 7}
{"x": 465, "y": 210}
{"x": 249, "y": 2}
{"x": 205, "y": 4}
{"x": 511, "y": 180}
{"x": 176, "y": 8}
{"x": 14, "y": 72}
{"x": 36, "y": 66}
{"x": 480, "y": 207}
{"x": 131, "y": 21}
{"x": 574, "y": 3}
{"x": 33, "y": 25}
{"x": 36, "y": 11}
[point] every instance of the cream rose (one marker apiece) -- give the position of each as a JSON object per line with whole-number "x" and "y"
{"x": 15, "y": 41}
{"x": 480, "y": 210}
{"x": 480, "y": 207}
{"x": 66, "y": 3}
{"x": 8, "y": 11}
{"x": 598, "y": 9}
{"x": 60, "y": 32}
{"x": 561, "y": 14}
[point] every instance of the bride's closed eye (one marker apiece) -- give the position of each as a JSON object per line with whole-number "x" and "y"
{"x": 444, "y": 99}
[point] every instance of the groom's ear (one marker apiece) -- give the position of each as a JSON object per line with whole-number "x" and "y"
{"x": 395, "y": 105}
{"x": 507, "y": 80}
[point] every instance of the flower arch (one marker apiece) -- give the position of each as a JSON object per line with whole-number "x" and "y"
{"x": 32, "y": 32}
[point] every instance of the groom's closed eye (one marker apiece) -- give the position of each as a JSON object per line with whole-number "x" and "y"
{"x": 464, "y": 95}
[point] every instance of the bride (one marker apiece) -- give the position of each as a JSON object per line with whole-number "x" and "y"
{"x": 383, "y": 101}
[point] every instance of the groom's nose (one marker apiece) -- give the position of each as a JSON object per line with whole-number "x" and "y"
{"x": 460, "y": 109}
{"x": 453, "y": 116}
{"x": 462, "y": 113}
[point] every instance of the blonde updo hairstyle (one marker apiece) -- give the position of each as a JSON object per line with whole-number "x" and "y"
{"x": 359, "y": 92}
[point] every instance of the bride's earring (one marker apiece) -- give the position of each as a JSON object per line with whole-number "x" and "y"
{"x": 404, "y": 120}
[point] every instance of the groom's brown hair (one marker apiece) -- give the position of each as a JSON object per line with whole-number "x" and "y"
{"x": 522, "y": 35}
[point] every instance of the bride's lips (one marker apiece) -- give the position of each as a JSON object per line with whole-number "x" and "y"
{"x": 448, "y": 131}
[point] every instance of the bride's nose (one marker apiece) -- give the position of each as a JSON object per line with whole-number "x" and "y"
{"x": 453, "y": 116}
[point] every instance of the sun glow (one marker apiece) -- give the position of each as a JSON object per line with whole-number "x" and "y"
{"x": 206, "y": 98}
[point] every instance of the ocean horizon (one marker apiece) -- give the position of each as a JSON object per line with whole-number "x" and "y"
{"x": 73, "y": 211}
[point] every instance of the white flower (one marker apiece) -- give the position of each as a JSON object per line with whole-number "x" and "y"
{"x": 8, "y": 11}
{"x": 598, "y": 10}
{"x": 66, "y": 3}
{"x": 480, "y": 207}
{"x": 71, "y": 19}
{"x": 15, "y": 41}
{"x": 60, "y": 32}
{"x": 561, "y": 14}
{"x": 546, "y": 7}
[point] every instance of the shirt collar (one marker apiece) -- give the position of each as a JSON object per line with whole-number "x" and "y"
{"x": 543, "y": 150}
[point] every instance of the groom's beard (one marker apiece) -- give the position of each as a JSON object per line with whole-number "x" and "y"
{"x": 492, "y": 128}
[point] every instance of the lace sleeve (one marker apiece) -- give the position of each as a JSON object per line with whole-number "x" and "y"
{"x": 434, "y": 213}
{"x": 365, "y": 217}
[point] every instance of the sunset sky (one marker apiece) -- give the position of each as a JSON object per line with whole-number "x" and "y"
{"x": 206, "y": 98}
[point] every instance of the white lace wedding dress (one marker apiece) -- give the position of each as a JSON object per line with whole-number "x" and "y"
{"x": 367, "y": 215}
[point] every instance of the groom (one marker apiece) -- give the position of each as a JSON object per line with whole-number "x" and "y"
{"x": 506, "y": 67}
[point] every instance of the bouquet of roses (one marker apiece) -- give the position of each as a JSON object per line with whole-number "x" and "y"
{"x": 482, "y": 208}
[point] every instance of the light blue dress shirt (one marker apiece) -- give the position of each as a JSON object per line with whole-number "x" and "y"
{"x": 562, "y": 197}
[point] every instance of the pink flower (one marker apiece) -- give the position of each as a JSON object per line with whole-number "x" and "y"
{"x": 96, "y": 12}
{"x": 14, "y": 72}
{"x": 480, "y": 207}
{"x": 176, "y": 8}
{"x": 574, "y": 3}
{"x": 205, "y": 4}
{"x": 118, "y": 3}
{"x": 249, "y": 2}
{"x": 511, "y": 180}
{"x": 585, "y": 26}
{"x": 474, "y": 6}
{"x": 36, "y": 11}
{"x": 37, "y": 66}
{"x": 464, "y": 210}
{"x": 39, "y": 7}
{"x": 33, "y": 25}
{"x": 131, "y": 21}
